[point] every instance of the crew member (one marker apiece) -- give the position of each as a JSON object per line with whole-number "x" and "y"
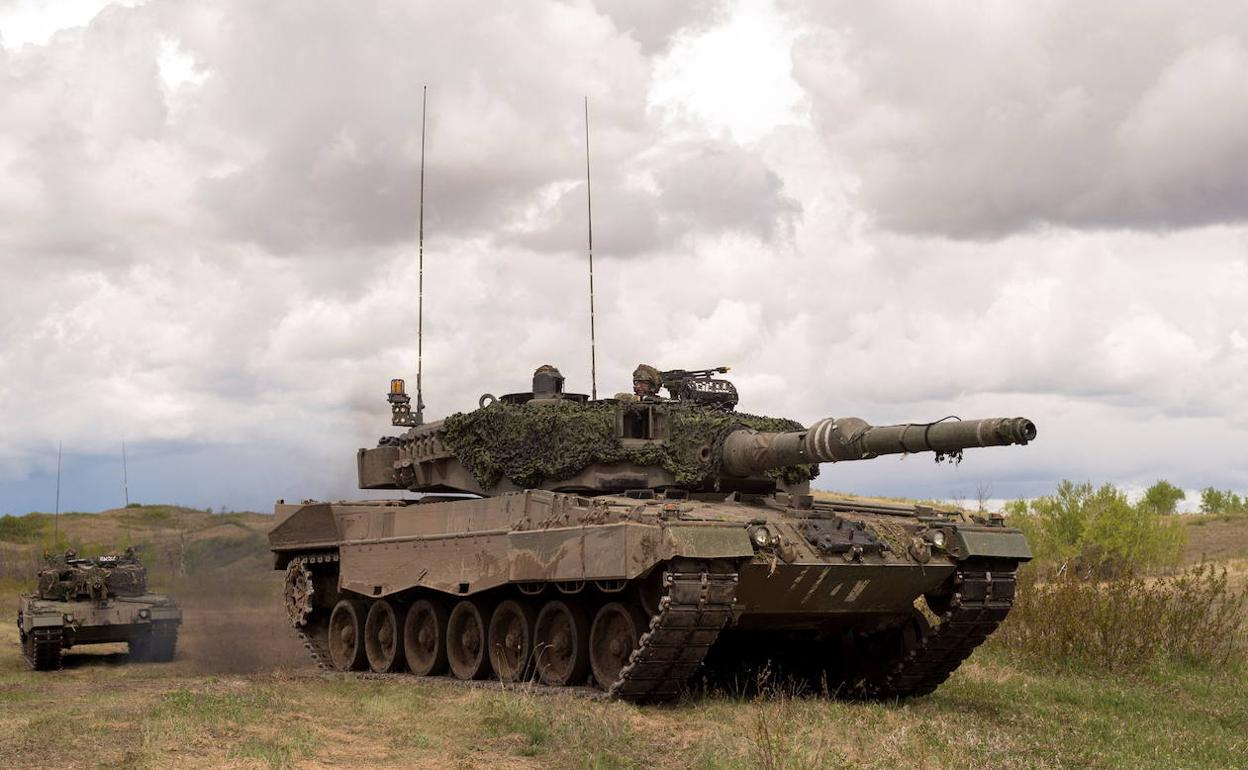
{"x": 646, "y": 384}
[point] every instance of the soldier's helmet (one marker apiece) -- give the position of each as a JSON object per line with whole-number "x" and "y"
{"x": 648, "y": 374}
{"x": 70, "y": 553}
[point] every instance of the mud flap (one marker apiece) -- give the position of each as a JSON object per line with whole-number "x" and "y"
{"x": 710, "y": 542}
{"x": 1004, "y": 543}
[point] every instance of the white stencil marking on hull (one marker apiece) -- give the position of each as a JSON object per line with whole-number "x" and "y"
{"x": 856, "y": 591}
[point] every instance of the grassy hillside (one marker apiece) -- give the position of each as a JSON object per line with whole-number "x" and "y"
{"x": 174, "y": 542}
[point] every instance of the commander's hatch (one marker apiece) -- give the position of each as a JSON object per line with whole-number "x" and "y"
{"x": 640, "y": 421}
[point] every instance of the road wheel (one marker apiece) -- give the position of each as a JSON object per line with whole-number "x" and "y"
{"x": 561, "y": 639}
{"x": 615, "y": 634}
{"x": 382, "y": 638}
{"x": 346, "y": 636}
{"x": 465, "y": 641}
{"x": 511, "y": 640}
{"x": 424, "y": 637}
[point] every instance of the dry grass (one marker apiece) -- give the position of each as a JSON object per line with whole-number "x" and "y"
{"x": 1125, "y": 624}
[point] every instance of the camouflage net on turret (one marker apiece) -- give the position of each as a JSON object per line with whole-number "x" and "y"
{"x": 531, "y": 445}
{"x": 68, "y": 582}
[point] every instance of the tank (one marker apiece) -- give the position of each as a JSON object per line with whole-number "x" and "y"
{"x": 640, "y": 543}
{"x": 101, "y": 600}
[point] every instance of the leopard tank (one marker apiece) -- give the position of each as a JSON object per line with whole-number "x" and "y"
{"x": 642, "y": 542}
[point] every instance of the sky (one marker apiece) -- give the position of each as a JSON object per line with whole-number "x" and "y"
{"x": 892, "y": 210}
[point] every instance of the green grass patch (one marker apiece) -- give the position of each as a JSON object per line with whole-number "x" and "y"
{"x": 213, "y": 708}
{"x": 285, "y": 750}
{"x": 514, "y": 715}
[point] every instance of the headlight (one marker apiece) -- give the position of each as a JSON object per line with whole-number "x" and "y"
{"x": 144, "y": 613}
{"x": 938, "y": 538}
{"x": 761, "y": 537}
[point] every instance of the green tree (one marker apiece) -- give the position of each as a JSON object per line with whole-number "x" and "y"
{"x": 1221, "y": 501}
{"x": 1096, "y": 530}
{"x": 1162, "y": 498}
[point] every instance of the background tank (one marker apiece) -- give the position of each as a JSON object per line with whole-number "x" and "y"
{"x": 95, "y": 601}
{"x": 634, "y": 541}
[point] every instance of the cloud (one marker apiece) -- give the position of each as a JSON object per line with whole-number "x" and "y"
{"x": 977, "y": 122}
{"x": 682, "y": 190}
{"x": 208, "y": 212}
{"x": 653, "y": 23}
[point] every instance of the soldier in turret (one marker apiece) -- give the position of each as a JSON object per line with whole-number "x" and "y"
{"x": 646, "y": 383}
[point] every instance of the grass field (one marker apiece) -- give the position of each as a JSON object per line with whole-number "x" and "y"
{"x": 242, "y": 694}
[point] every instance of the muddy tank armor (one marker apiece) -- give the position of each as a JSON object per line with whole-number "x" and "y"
{"x": 95, "y": 601}
{"x": 635, "y": 543}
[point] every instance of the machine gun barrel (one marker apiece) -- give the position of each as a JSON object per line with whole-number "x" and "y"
{"x": 746, "y": 452}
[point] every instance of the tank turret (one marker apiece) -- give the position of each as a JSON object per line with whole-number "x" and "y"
{"x": 695, "y": 441}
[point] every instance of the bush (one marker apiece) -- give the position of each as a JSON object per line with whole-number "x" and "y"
{"x": 1126, "y": 623}
{"x": 1096, "y": 532}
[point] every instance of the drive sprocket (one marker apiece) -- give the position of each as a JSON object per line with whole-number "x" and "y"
{"x": 297, "y": 592}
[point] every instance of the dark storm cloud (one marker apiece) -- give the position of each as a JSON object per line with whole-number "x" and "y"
{"x": 979, "y": 120}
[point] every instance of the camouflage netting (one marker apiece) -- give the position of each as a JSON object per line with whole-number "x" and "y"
{"x": 64, "y": 582}
{"x": 530, "y": 445}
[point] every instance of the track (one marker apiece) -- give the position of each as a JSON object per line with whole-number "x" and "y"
{"x": 984, "y": 595}
{"x": 694, "y": 608}
{"x": 42, "y": 648}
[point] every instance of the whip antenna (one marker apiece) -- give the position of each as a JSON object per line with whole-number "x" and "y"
{"x": 56, "y": 517}
{"x": 420, "y": 282}
{"x": 125, "y": 474}
{"x": 589, "y": 206}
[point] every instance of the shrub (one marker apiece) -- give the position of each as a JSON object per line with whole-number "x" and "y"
{"x": 1096, "y": 531}
{"x": 1126, "y": 623}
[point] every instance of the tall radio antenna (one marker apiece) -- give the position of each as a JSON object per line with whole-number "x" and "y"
{"x": 589, "y": 206}
{"x": 125, "y": 475}
{"x": 420, "y": 282}
{"x": 57, "y": 516}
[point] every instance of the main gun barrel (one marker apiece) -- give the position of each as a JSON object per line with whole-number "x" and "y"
{"x": 746, "y": 452}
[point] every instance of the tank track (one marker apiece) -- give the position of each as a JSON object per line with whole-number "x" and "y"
{"x": 314, "y": 635}
{"x": 42, "y": 649}
{"x": 984, "y": 596}
{"x": 694, "y": 608}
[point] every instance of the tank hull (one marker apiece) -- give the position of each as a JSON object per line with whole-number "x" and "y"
{"x": 661, "y": 578}
{"x": 147, "y": 623}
